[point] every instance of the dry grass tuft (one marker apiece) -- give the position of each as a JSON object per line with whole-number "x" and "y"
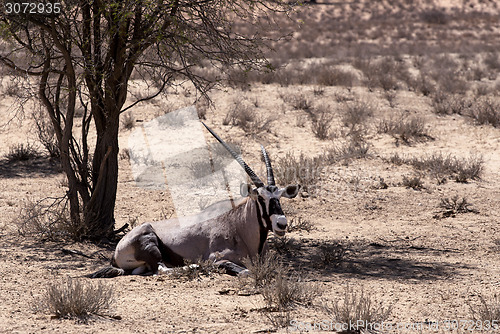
{"x": 263, "y": 269}
{"x": 321, "y": 123}
{"x": 76, "y": 299}
{"x": 454, "y": 205}
{"x": 286, "y": 291}
{"x": 356, "y": 113}
{"x": 414, "y": 182}
{"x": 331, "y": 253}
{"x": 305, "y": 171}
{"x": 22, "y": 152}
{"x": 488, "y": 311}
{"x": 405, "y": 129}
{"x": 486, "y": 111}
{"x": 358, "y": 308}
{"x": 128, "y": 121}
{"x": 299, "y": 224}
{"x": 441, "y": 166}
{"x": 48, "y": 219}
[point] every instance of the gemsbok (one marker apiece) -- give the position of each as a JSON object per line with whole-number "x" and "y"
{"x": 227, "y": 239}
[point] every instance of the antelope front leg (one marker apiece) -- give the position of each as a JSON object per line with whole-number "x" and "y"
{"x": 232, "y": 268}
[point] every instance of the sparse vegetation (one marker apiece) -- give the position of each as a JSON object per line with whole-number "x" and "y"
{"x": 46, "y": 134}
{"x": 299, "y": 224}
{"x": 455, "y": 205}
{"x": 128, "y": 121}
{"x": 488, "y": 310}
{"x": 287, "y": 290}
{"x": 486, "y": 111}
{"x": 414, "y": 182}
{"x": 447, "y": 104}
{"x": 76, "y": 299}
{"x": 48, "y": 219}
{"x": 263, "y": 269}
{"x": 321, "y": 123}
{"x": 356, "y": 148}
{"x": 302, "y": 170}
{"x": 356, "y": 113}
{"x": 300, "y": 102}
{"x": 441, "y": 165}
{"x": 22, "y": 152}
{"x": 328, "y": 76}
{"x": 358, "y": 307}
{"x": 405, "y": 129}
{"x": 331, "y": 253}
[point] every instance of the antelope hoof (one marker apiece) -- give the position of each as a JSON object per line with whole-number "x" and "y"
{"x": 163, "y": 270}
{"x": 244, "y": 273}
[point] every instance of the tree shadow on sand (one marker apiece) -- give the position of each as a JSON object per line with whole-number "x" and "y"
{"x": 369, "y": 260}
{"x": 40, "y": 167}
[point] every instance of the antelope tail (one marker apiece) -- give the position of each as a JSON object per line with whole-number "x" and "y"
{"x": 107, "y": 272}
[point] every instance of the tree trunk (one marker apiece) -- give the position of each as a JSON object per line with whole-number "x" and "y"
{"x": 99, "y": 212}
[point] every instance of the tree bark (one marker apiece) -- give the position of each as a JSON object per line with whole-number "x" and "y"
{"x": 99, "y": 211}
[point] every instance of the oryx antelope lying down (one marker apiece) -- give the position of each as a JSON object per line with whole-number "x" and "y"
{"x": 226, "y": 239}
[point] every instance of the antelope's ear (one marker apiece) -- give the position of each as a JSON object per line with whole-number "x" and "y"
{"x": 291, "y": 191}
{"x": 246, "y": 190}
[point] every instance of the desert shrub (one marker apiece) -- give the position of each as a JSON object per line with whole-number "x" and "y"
{"x": 299, "y": 224}
{"x": 263, "y": 269}
{"x": 128, "y": 121}
{"x": 244, "y": 116}
{"x": 48, "y": 219}
{"x": 22, "y": 152}
{"x": 287, "y": 291}
{"x": 356, "y": 113}
{"x": 358, "y": 307}
{"x": 405, "y": 129}
{"x": 422, "y": 84}
{"x": 300, "y": 102}
{"x": 286, "y": 245}
{"x": 46, "y": 134}
{"x": 414, "y": 182}
{"x": 239, "y": 78}
{"x": 440, "y": 165}
{"x": 488, "y": 310}
{"x": 486, "y": 111}
{"x": 319, "y": 91}
{"x": 454, "y": 205}
{"x": 356, "y": 148}
{"x": 202, "y": 106}
{"x": 384, "y": 73}
{"x": 305, "y": 171}
{"x": 331, "y": 253}
{"x": 75, "y": 298}
{"x": 321, "y": 123}
{"x": 239, "y": 114}
{"x": 334, "y": 77}
{"x": 447, "y": 104}
{"x": 261, "y": 123}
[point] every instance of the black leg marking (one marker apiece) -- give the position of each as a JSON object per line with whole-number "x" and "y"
{"x": 230, "y": 267}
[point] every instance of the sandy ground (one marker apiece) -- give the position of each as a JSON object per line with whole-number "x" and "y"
{"x": 399, "y": 249}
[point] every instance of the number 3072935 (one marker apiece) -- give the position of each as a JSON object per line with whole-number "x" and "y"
{"x": 13, "y": 8}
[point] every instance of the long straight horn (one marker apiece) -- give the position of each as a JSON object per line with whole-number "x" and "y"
{"x": 255, "y": 179}
{"x": 270, "y": 175}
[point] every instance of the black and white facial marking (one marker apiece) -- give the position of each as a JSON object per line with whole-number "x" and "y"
{"x": 270, "y": 213}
